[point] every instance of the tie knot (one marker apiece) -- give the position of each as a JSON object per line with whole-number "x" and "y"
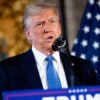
{"x": 49, "y": 58}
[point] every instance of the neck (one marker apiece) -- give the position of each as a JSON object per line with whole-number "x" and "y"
{"x": 48, "y": 52}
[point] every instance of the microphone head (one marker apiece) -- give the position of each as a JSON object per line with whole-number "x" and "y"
{"x": 59, "y": 44}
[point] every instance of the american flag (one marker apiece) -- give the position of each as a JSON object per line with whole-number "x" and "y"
{"x": 87, "y": 42}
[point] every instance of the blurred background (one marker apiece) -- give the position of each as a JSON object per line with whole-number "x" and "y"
{"x": 12, "y": 39}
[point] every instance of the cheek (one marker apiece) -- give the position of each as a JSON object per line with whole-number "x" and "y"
{"x": 37, "y": 37}
{"x": 38, "y": 32}
{"x": 58, "y": 31}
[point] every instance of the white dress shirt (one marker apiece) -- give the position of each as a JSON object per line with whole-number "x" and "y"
{"x": 42, "y": 63}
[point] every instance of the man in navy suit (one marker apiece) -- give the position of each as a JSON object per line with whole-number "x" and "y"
{"x": 28, "y": 70}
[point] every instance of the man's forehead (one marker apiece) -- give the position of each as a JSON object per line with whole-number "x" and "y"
{"x": 44, "y": 14}
{"x": 44, "y": 11}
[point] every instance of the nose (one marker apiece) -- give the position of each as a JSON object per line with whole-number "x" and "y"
{"x": 47, "y": 27}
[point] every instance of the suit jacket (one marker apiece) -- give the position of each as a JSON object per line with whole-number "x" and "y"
{"x": 20, "y": 72}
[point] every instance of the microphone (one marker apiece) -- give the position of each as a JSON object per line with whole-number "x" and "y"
{"x": 59, "y": 44}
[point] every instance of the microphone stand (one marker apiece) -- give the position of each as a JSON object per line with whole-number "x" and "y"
{"x": 61, "y": 45}
{"x": 63, "y": 39}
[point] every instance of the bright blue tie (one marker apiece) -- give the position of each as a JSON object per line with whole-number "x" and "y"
{"x": 53, "y": 80}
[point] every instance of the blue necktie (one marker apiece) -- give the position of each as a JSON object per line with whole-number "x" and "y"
{"x": 53, "y": 80}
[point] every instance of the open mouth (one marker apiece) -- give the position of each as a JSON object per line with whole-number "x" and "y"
{"x": 50, "y": 38}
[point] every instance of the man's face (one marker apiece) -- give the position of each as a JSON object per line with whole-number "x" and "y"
{"x": 43, "y": 29}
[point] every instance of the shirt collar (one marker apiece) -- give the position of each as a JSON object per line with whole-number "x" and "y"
{"x": 40, "y": 57}
{"x": 56, "y": 56}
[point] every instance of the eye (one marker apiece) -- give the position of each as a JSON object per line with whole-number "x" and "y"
{"x": 39, "y": 24}
{"x": 53, "y": 21}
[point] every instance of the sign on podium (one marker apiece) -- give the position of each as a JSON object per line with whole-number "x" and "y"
{"x": 77, "y": 93}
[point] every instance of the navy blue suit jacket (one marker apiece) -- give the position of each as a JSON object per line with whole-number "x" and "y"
{"x": 20, "y": 72}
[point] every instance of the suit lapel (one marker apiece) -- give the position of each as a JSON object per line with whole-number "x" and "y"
{"x": 67, "y": 68}
{"x": 31, "y": 71}
{"x": 71, "y": 74}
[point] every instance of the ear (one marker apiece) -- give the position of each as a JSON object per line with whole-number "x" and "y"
{"x": 27, "y": 34}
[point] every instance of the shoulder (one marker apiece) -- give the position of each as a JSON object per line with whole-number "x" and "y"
{"x": 14, "y": 60}
{"x": 82, "y": 64}
{"x": 79, "y": 63}
{"x": 75, "y": 59}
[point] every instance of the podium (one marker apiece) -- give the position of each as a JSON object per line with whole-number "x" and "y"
{"x": 77, "y": 93}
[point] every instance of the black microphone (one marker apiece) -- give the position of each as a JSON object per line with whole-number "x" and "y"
{"x": 59, "y": 44}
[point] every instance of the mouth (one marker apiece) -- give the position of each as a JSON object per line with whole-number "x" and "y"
{"x": 49, "y": 39}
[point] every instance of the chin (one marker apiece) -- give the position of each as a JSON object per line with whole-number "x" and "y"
{"x": 49, "y": 48}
